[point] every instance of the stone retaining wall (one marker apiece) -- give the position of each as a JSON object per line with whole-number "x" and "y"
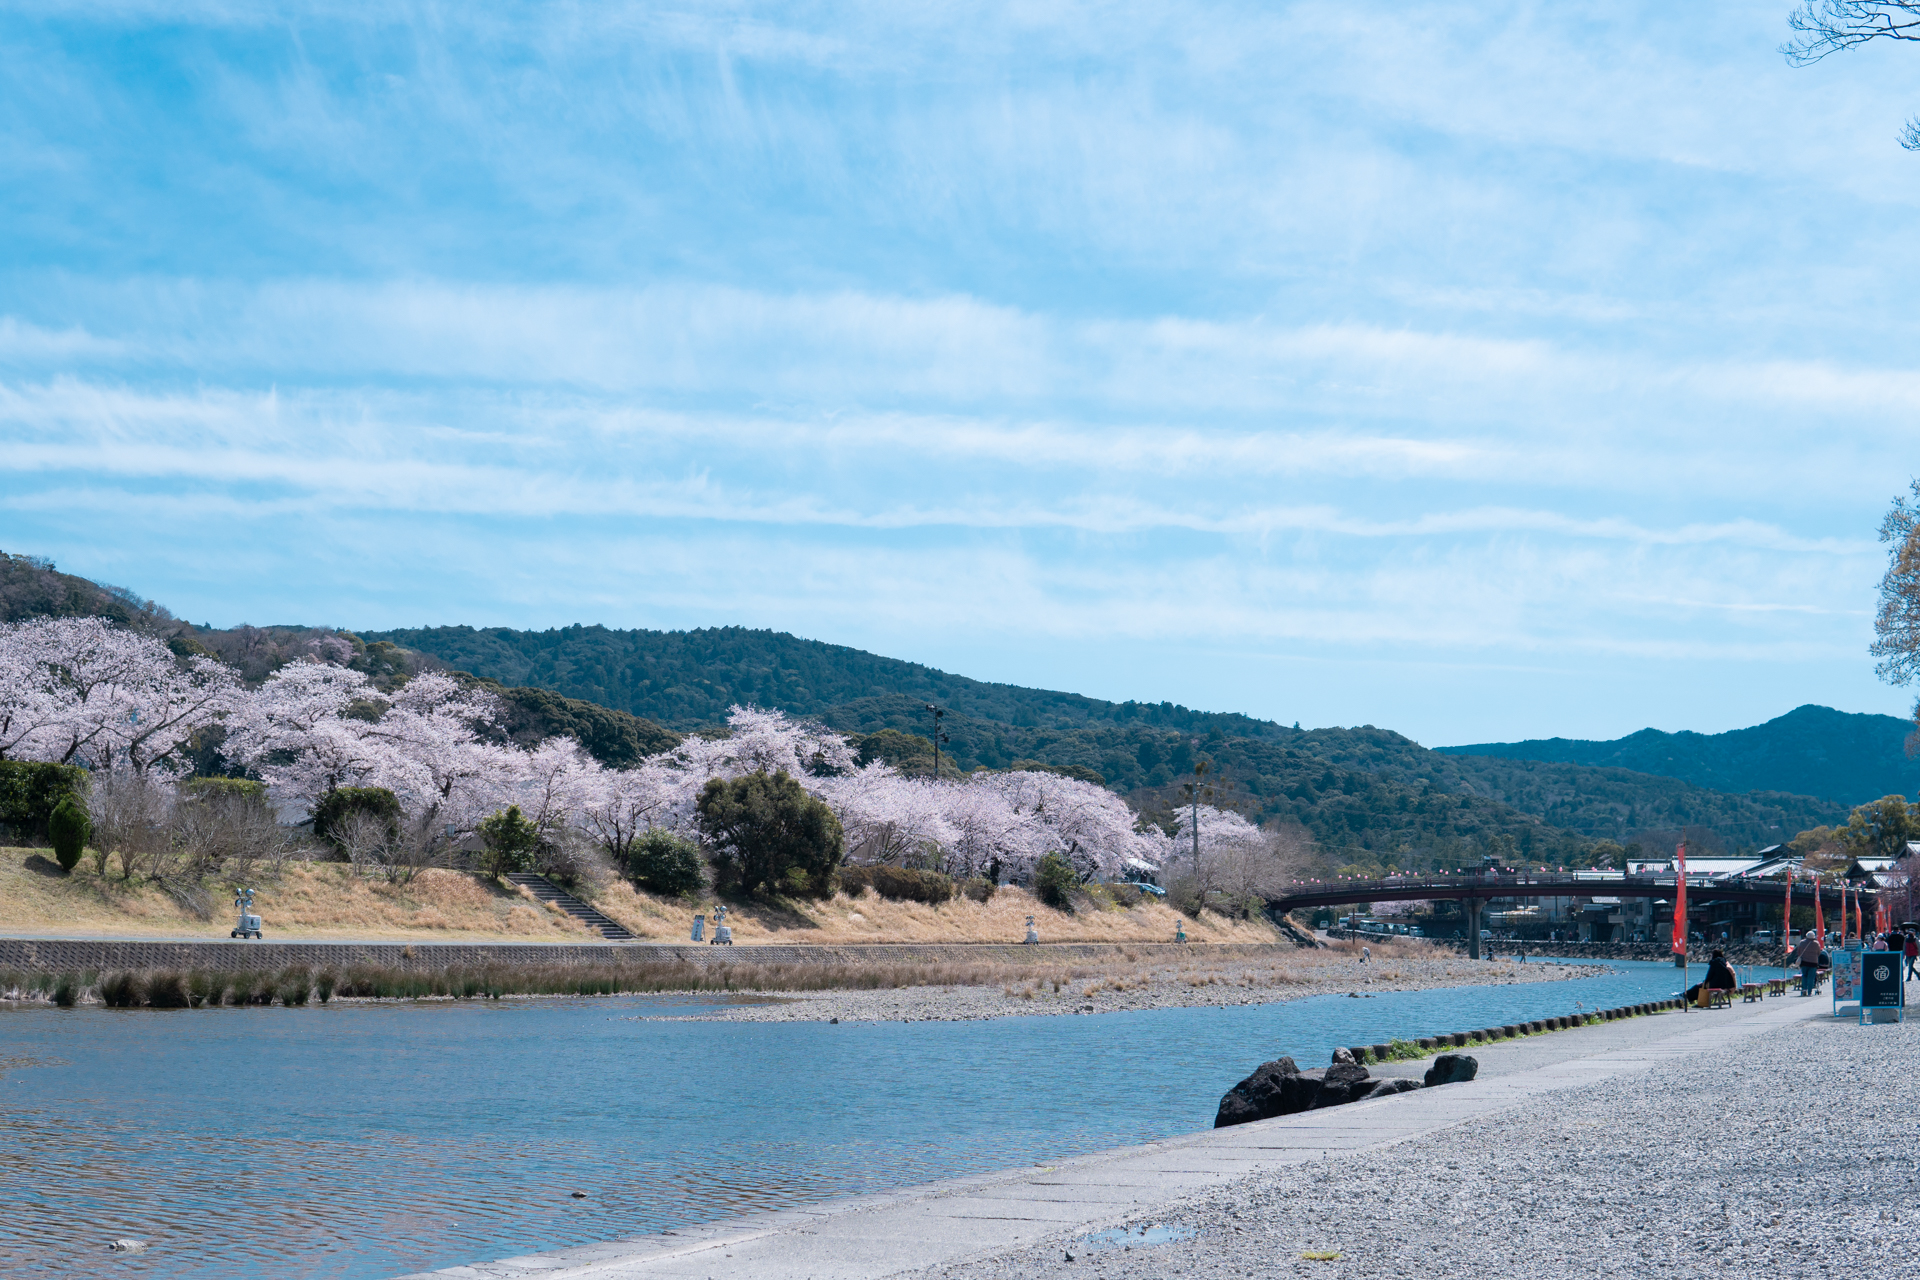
{"x": 48, "y": 956}
{"x": 1737, "y": 953}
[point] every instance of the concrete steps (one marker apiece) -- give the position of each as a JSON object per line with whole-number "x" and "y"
{"x": 545, "y": 890}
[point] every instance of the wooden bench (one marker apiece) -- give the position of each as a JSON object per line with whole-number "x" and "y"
{"x": 1713, "y": 998}
{"x": 1752, "y": 991}
{"x": 1777, "y": 986}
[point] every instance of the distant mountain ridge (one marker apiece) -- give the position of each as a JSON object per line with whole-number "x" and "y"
{"x": 688, "y": 679}
{"x": 1845, "y": 757}
{"x": 1372, "y": 798}
{"x": 1367, "y": 790}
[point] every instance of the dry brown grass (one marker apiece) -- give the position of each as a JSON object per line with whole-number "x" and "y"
{"x": 318, "y": 900}
{"x": 871, "y": 918}
{"x": 325, "y": 900}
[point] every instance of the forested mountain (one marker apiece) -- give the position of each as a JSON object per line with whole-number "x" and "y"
{"x": 1811, "y": 750}
{"x": 1370, "y": 792}
{"x": 688, "y": 679}
{"x": 1370, "y": 797}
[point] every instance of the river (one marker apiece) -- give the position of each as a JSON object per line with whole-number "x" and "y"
{"x": 366, "y": 1140}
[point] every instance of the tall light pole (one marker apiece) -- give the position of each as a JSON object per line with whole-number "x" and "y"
{"x": 938, "y": 737}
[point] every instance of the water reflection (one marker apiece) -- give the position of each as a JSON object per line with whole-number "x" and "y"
{"x": 364, "y": 1141}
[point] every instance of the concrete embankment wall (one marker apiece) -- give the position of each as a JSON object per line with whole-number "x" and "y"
{"x": 1699, "y": 955}
{"x": 1736, "y": 953}
{"x": 51, "y": 956}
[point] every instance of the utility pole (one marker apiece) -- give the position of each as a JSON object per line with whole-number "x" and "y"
{"x": 938, "y": 737}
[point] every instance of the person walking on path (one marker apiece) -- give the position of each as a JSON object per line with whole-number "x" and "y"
{"x": 1912, "y": 952}
{"x": 1808, "y": 956}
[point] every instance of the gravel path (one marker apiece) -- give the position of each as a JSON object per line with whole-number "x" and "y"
{"x": 1792, "y": 1154}
{"x": 1149, "y": 986}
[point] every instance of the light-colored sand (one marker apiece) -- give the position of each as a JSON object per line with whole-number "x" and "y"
{"x": 1124, "y": 983}
{"x": 1789, "y": 1154}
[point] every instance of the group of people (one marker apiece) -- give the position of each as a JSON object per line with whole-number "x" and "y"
{"x": 1812, "y": 957}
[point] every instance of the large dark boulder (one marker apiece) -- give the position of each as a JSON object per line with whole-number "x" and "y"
{"x": 1260, "y": 1095}
{"x": 1384, "y": 1088}
{"x": 1340, "y": 1083}
{"x": 1452, "y": 1068}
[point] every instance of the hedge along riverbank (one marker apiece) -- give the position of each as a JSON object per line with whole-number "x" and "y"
{"x": 1411, "y": 1050}
{"x": 291, "y": 984}
{"x": 100, "y": 955}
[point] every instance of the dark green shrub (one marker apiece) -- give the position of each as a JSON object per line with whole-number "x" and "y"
{"x": 512, "y": 843}
{"x": 69, "y": 829}
{"x": 293, "y": 985}
{"x": 30, "y": 791}
{"x": 664, "y": 863}
{"x": 762, "y": 826}
{"x": 323, "y": 983}
{"x": 167, "y": 989}
{"x": 902, "y": 884}
{"x": 203, "y": 988}
{"x": 1053, "y": 880}
{"x": 121, "y": 990}
{"x": 66, "y": 991}
{"x": 334, "y": 808}
{"x": 239, "y": 789}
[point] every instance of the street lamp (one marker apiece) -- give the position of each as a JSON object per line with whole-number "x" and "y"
{"x": 938, "y": 737}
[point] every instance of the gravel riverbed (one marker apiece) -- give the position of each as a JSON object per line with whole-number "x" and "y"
{"x": 1145, "y": 985}
{"x": 1789, "y": 1154}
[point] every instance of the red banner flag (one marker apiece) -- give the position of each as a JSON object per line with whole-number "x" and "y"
{"x": 1819, "y": 913}
{"x": 1680, "y": 900}
{"x": 1882, "y": 917}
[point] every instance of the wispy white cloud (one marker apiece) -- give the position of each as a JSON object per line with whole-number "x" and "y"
{"x": 1558, "y": 338}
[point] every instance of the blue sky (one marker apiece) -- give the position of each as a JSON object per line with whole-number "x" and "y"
{"x": 1482, "y": 371}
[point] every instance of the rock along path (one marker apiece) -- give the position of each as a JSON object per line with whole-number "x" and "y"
{"x": 1022, "y": 1221}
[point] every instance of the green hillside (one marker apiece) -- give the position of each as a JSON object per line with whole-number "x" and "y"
{"x": 1367, "y": 791}
{"x": 1811, "y": 750}
{"x": 688, "y": 679}
{"x": 1370, "y": 797}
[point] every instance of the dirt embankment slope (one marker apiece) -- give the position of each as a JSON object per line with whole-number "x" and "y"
{"x": 327, "y": 900}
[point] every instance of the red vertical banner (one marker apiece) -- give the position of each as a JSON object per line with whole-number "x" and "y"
{"x": 1882, "y": 918}
{"x": 1786, "y": 916}
{"x": 1819, "y": 913}
{"x": 1680, "y": 900}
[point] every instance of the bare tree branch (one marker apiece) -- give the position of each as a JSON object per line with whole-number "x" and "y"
{"x": 1828, "y": 26}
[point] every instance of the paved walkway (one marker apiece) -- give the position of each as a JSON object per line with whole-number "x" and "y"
{"x": 949, "y": 1222}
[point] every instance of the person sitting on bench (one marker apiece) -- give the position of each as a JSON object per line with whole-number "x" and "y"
{"x": 1719, "y": 977}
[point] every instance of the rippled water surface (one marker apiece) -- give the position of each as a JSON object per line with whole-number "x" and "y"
{"x": 370, "y": 1140}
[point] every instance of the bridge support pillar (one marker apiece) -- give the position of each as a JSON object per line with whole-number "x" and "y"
{"x": 1473, "y": 928}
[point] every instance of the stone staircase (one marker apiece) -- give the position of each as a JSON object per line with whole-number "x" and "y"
{"x": 545, "y": 890}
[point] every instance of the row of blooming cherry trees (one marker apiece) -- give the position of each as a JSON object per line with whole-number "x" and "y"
{"x": 79, "y": 690}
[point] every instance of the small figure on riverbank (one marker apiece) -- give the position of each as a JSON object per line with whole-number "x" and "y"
{"x": 1807, "y": 956}
{"x": 1366, "y": 954}
{"x": 1720, "y": 977}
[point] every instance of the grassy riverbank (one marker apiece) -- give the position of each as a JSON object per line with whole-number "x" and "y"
{"x": 322, "y": 901}
{"x": 891, "y": 991}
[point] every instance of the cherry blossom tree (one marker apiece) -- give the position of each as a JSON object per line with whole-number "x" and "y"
{"x": 81, "y": 690}
{"x": 1088, "y": 825}
{"x": 621, "y": 805}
